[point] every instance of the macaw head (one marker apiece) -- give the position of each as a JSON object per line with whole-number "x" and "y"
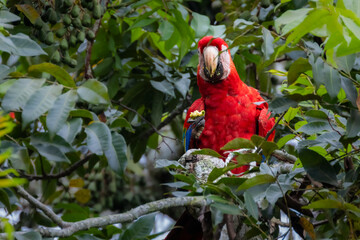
{"x": 214, "y": 59}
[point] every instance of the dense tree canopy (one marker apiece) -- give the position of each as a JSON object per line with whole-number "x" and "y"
{"x": 93, "y": 93}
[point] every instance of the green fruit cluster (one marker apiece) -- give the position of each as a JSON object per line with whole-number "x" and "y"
{"x": 65, "y": 24}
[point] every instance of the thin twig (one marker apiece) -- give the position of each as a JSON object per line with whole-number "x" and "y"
{"x": 64, "y": 173}
{"x": 270, "y": 132}
{"x": 47, "y": 211}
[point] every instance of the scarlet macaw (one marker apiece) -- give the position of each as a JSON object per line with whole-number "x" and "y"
{"x": 231, "y": 108}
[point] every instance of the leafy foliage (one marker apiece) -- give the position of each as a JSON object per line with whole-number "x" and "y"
{"x": 99, "y": 109}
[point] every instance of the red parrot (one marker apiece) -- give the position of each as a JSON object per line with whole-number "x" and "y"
{"x": 231, "y": 108}
{"x": 227, "y": 109}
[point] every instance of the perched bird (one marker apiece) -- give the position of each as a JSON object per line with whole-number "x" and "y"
{"x": 228, "y": 108}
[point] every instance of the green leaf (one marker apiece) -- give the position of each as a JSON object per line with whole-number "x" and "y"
{"x": 281, "y": 104}
{"x": 98, "y": 138}
{"x": 61, "y": 75}
{"x": 268, "y": 148}
{"x": 282, "y": 141}
{"x": 143, "y": 23}
{"x": 332, "y": 83}
{"x": 257, "y": 180}
{"x": 83, "y": 113}
{"x": 21, "y": 45}
{"x": 52, "y": 153}
{"x": 162, "y": 163}
{"x": 315, "y": 127}
{"x": 353, "y": 126}
{"x": 6, "y": 17}
{"x": 247, "y": 158}
{"x": 324, "y": 204}
{"x": 28, "y": 11}
{"x": 267, "y": 47}
{"x": 317, "y": 167}
{"x": 238, "y": 143}
{"x": 116, "y": 153}
{"x": 40, "y": 102}
{"x": 299, "y": 66}
{"x": 28, "y": 236}
{"x": 70, "y": 129}
{"x": 251, "y": 205}
{"x": 121, "y": 122}
{"x": 345, "y": 63}
{"x": 227, "y": 208}
{"x": 207, "y": 151}
{"x": 290, "y": 20}
{"x": 20, "y": 92}
{"x": 141, "y": 228}
{"x": 60, "y": 111}
{"x": 4, "y": 198}
{"x": 200, "y": 23}
{"x": 350, "y": 90}
{"x": 166, "y": 29}
{"x": 217, "y": 172}
{"x": 164, "y": 87}
{"x": 94, "y": 92}
{"x": 290, "y": 114}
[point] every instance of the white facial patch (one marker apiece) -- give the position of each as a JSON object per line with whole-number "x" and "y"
{"x": 222, "y": 56}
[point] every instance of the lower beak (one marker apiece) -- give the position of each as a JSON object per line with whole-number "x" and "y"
{"x": 211, "y": 55}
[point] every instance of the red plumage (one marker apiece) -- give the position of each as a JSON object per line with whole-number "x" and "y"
{"x": 232, "y": 109}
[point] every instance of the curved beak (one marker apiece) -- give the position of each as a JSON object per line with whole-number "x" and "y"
{"x": 211, "y": 58}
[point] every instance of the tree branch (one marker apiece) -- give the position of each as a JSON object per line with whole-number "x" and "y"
{"x": 124, "y": 217}
{"x": 284, "y": 156}
{"x": 65, "y": 173}
{"x": 47, "y": 211}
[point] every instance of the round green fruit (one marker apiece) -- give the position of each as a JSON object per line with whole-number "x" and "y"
{"x": 67, "y": 3}
{"x": 90, "y": 35}
{"x": 52, "y": 17}
{"x": 72, "y": 63}
{"x": 97, "y": 11}
{"x": 60, "y": 32}
{"x": 86, "y": 20}
{"x": 75, "y": 11}
{"x": 72, "y": 40}
{"x": 76, "y": 22}
{"x": 81, "y": 36}
{"x": 39, "y": 23}
{"x": 64, "y": 44}
{"x": 66, "y": 20}
{"x": 55, "y": 58}
{"x": 49, "y": 39}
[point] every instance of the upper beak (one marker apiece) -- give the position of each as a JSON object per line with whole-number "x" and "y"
{"x": 211, "y": 58}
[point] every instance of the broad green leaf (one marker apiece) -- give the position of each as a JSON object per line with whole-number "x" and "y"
{"x": 251, "y": 205}
{"x": 351, "y": 25}
{"x": 281, "y": 104}
{"x": 39, "y": 103}
{"x": 247, "y": 158}
{"x": 4, "y": 87}
{"x": 324, "y": 204}
{"x": 28, "y": 11}
{"x": 52, "y": 153}
{"x": 20, "y": 92}
{"x": 60, "y": 111}
{"x": 217, "y": 172}
{"x": 44, "y": 139}
{"x": 21, "y": 45}
{"x": 98, "y": 138}
{"x": 268, "y": 148}
{"x": 299, "y": 66}
{"x": 183, "y": 85}
{"x": 141, "y": 228}
{"x": 11, "y": 182}
{"x": 200, "y": 23}
{"x": 83, "y": 113}
{"x": 28, "y": 236}
{"x": 290, "y": 20}
{"x": 4, "y": 71}
{"x": 162, "y": 163}
{"x": 207, "y": 151}
{"x": 122, "y": 122}
{"x": 143, "y": 23}
{"x": 227, "y": 208}
{"x": 345, "y": 63}
{"x": 313, "y": 115}
{"x": 238, "y": 143}
{"x": 290, "y": 114}
{"x": 70, "y": 129}
{"x": 116, "y": 153}
{"x": 61, "y": 75}
{"x": 350, "y": 90}
{"x": 267, "y": 47}
{"x": 4, "y": 199}
{"x": 257, "y": 180}
{"x": 163, "y": 86}
{"x": 317, "y": 167}
{"x": 6, "y": 17}
{"x": 166, "y": 29}
{"x": 282, "y": 141}
{"x": 332, "y": 82}
{"x": 315, "y": 127}
{"x": 94, "y": 92}
{"x": 353, "y": 126}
